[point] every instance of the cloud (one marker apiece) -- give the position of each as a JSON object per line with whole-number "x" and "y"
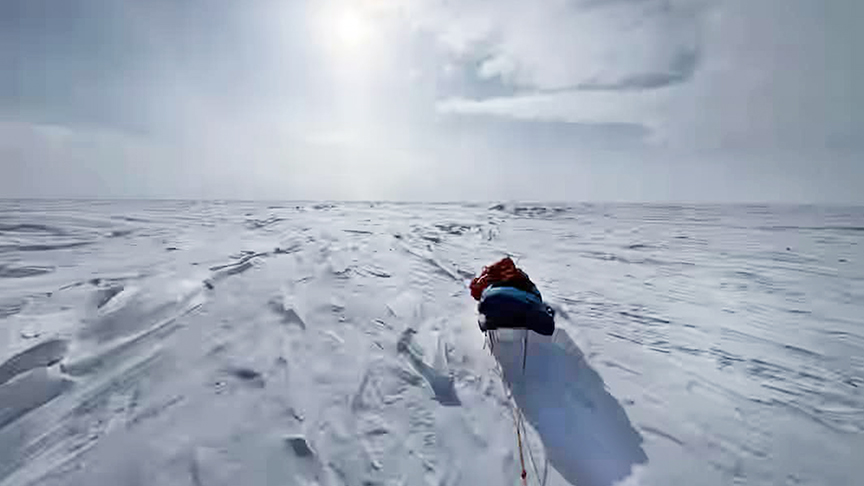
{"x": 636, "y": 108}
{"x": 735, "y": 75}
{"x": 558, "y": 44}
{"x": 680, "y": 69}
{"x": 594, "y": 62}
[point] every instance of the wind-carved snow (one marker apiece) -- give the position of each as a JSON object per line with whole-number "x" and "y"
{"x": 211, "y": 343}
{"x": 437, "y": 375}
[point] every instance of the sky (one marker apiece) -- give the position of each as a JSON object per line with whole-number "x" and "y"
{"x": 433, "y": 100}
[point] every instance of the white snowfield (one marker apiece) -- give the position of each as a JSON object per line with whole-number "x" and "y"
{"x": 207, "y": 343}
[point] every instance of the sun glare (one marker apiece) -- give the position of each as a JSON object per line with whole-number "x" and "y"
{"x": 350, "y": 34}
{"x": 352, "y": 30}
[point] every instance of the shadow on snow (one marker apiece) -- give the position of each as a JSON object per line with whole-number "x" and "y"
{"x": 586, "y": 433}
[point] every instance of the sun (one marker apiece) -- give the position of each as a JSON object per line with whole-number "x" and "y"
{"x": 351, "y": 29}
{"x": 350, "y": 34}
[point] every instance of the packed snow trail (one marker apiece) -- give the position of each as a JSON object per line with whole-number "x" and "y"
{"x": 208, "y": 343}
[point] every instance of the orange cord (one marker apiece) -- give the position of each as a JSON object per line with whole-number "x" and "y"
{"x": 524, "y": 474}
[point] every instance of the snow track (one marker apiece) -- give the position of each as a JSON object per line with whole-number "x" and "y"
{"x": 192, "y": 343}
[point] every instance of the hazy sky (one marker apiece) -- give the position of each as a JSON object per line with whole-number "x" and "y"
{"x": 567, "y": 100}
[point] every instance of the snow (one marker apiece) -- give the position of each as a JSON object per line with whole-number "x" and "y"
{"x": 223, "y": 343}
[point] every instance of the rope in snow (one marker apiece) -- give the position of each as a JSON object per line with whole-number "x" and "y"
{"x": 524, "y": 474}
{"x": 518, "y": 416}
{"x": 531, "y": 454}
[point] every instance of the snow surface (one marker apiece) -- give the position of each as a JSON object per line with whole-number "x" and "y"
{"x": 208, "y": 343}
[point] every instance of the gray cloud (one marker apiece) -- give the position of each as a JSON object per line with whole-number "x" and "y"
{"x": 681, "y": 69}
{"x": 766, "y": 76}
{"x": 554, "y": 45}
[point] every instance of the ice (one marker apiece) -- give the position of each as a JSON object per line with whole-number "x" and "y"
{"x": 201, "y": 343}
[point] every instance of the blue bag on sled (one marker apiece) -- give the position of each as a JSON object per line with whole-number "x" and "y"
{"x": 505, "y": 307}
